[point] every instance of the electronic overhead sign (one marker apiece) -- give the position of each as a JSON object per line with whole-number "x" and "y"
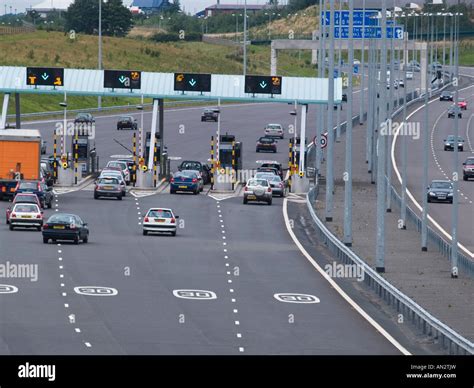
{"x": 192, "y": 82}
{"x": 122, "y": 79}
{"x": 263, "y": 84}
{"x": 44, "y": 76}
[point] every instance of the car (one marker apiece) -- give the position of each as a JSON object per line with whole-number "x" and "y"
{"x": 468, "y": 169}
{"x": 84, "y": 118}
{"x": 108, "y": 187}
{"x": 258, "y": 190}
{"x": 274, "y": 130}
{"x": 440, "y": 191}
{"x": 123, "y": 166}
{"x": 210, "y": 114}
{"x": 26, "y": 215}
{"x": 47, "y": 172}
{"x": 344, "y": 97}
{"x": 276, "y": 183}
{"x": 65, "y": 226}
{"x": 462, "y": 103}
{"x": 203, "y": 168}
{"x": 266, "y": 144}
{"x": 117, "y": 175}
{"x": 409, "y": 75}
{"x": 449, "y": 143}
{"x": 436, "y": 66}
{"x": 21, "y": 198}
{"x": 127, "y": 122}
{"x": 395, "y": 84}
{"x": 44, "y": 193}
{"x": 160, "y": 220}
{"x": 129, "y": 161}
{"x": 43, "y": 147}
{"x": 274, "y": 165}
{"x": 446, "y": 96}
{"x": 400, "y": 83}
{"x": 267, "y": 170}
{"x": 186, "y": 180}
{"x": 453, "y": 110}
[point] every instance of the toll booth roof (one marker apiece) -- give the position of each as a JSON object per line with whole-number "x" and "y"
{"x": 19, "y": 133}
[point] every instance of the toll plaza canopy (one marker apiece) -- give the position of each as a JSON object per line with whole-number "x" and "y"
{"x": 303, "y": 90}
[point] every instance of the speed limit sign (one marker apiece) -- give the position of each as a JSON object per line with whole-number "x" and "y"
{"x": 324, "y": 140}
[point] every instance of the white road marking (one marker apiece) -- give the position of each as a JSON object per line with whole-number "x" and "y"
{"x": 241, "y": 350}
{"x": 195, "y": 294}
{"x": 239, "y": 335}
{"x": 66, "y": 305}
{"x": 87, "y": 344}
{"x": 95, "y": 291}
{"x": 237, "y": 323}
{"x": 338, "y": 289}
{"x": 77, "y": 330}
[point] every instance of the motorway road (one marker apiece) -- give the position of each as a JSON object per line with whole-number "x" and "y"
{"x": 243, "y": 254}
{"x": 441, "y": 163}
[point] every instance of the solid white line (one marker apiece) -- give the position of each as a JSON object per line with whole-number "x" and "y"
{"x": 333, "y": 284}
{"x": 467, "y": 132}
{"x": 410, "y": 195}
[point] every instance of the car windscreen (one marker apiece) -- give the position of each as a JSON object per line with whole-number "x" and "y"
{"x": 266, "y": 140}
{"x": 191, "y": 166}
{"x": 28, "y": 186}
{"x": 125, "y": 118}
{"x": 189, "y": 173}
{"x": 273, "y": 126}
{"x": 108, "y": 181}
{"x": 26, "y": 208}
{"x": 441, "y": 185}
{"x": 62, "y": 219}
{"x": 271, "y": 165}
{"x": 25, "y": 198}
{"x": 117, "y": 164}
{"x": 258, "y": 182}
{"x": 470, "y": 161}
{"x": 160, "y": 213}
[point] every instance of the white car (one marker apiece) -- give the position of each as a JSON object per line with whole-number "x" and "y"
{"x": 409, "y": 75}
{"x": 123, "y": 166}
{"x": 274, "y": 130}
{"x": 258, "y": 190}
{"x": 160, "y": 220}
{"x": 26, "y": 215}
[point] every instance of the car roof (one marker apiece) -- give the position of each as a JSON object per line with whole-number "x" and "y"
{"x": 159, "y": 208}
{"x": 440, "y": 181}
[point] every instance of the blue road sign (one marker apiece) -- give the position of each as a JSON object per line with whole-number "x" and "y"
{"x": 341, "y": 18}
{"x": 356, "y": 69}
{"x": 369, "y": 32}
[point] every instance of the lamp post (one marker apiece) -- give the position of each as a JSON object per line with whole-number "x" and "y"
{"x": 245, "y": 38}
{"x": 99, "y": 99}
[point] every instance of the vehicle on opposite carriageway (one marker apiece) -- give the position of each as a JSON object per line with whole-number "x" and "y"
{"x": 127, "y": 122}
{"x": 468, "y": 168}
{"x": 440, "y": 191}
{"x": 450, "y": 141}
{"x": 446, "y": 95}
{"x": 453, "y": 111}
{"x": 266, "y": 144}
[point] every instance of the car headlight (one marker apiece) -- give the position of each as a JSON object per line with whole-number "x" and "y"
{"x": 432, "y": 194}
{"x": 450, "y": 194}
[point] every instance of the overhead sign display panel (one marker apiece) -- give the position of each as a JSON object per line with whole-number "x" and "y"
{"x": 44, "y": 76}
{"x": 192, "y": 82}
{"x": 370, "y": 32}
{"x": 122, "y": 79}
{"x": 258, "y": 84}
{"x": 360, "y": 18}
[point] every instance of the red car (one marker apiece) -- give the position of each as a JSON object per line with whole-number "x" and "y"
{"x": 462, "y": 103}
{"x": 22, "y": 198}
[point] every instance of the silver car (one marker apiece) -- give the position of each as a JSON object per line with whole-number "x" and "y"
{"x": 274, "y": 130}
{"x": 117, "y": 175}
{"x": 258, "y": 190}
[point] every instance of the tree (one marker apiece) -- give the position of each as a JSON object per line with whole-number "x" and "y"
{"x": 295, "y": 5}
{"x": 117, "y": 19}
{"x": 83, "y": 16}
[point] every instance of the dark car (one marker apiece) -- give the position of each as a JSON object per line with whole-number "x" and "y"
{"x": 43, "y": 192}
{"x": 453, "y": 110}
{"x": 127, "y": 122}
{"x": 275, "y": 165}
{"x": 468, "y": 169}
{"x": 446, "y": 96}
{"x": 47, "y": 173}
{"x": 440, "y": 191}
{"x": 63, "y": 226}
{"x": 210, "y": 115}
{"x": 449, "y": 143}
{"x": 186, "y": 180}
{"x": 204, "y": 169}
{"x": 86, "y": 118}
{"x": 266, "y": 144}
{"x": 108, "y": 187}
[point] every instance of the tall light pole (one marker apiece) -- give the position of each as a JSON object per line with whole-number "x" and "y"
{"x": 99, "y": 99}
{"x": 245, "y": 38}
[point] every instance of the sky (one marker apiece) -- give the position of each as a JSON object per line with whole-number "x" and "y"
{"x": 191, "y": 6}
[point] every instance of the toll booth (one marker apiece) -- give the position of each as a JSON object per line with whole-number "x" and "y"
{"x": 147, "y": 145}
{"x": 225, "y": 152}
{"x": 297, "y": 150}
{"x": 84, "y": 148}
